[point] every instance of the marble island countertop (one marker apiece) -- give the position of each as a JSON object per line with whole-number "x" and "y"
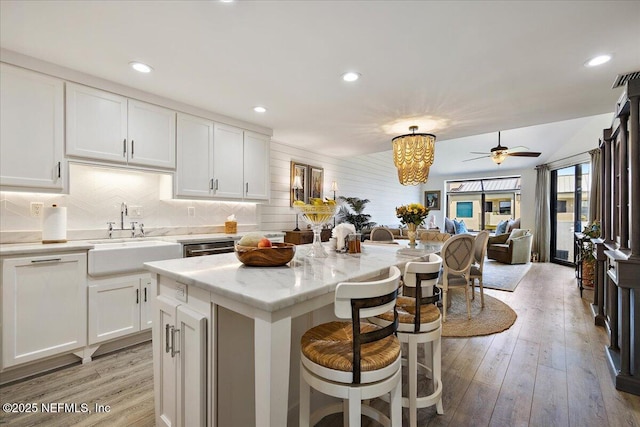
{"x": 274, "y": 288}
{"x": 37, "y": 248}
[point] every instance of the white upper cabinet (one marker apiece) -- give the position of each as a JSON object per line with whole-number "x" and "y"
{"x": 256, "y": 166}
{"x": 109, "y": 127}
{"x": 96, "y": 124}
{"x": 31, "y": 130}
{"x": 194, "y": 169}
{"x": 152, "y": 135}
{"x": 228, "y": 181}
{"x": 220, "y": 161}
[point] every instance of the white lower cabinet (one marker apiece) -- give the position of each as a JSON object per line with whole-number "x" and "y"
{"x": 44, "y": 307}
{"x": 180, "y": 364}
{"x": 119, "y": 306}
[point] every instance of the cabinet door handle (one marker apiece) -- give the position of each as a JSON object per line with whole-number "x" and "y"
{"x": 124, "y": 147}
{"x": 216, "y": 186}
{"x": 211, "y": 184}
{"x": 145, "y": 294}
{"x": 132, "y": 147}
{"x": 59, "y": 170}
{"x": 173, "y": 342}
{"x": 167, "y": 329}
{"x": 137, "y": 296}
{"x": 247, "y": 188}
{"x": 34, "y": 261}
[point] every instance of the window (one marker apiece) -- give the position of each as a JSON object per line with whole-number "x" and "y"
{"x": 483, "y": 202}
{"x": 561, "y": 206}
{"x": 569, "y": 209}
{"x": 464, "y": 209}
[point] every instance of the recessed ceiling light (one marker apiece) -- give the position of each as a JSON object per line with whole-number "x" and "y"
{"x": 598, "y": 60}
{"x": 350, "y": 76}
{"x": 139, "y": 66}
{"x": 259, "y": 109}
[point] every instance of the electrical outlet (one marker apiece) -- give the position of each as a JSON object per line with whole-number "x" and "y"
{"x": 135, "y": 212}
{"x": 181, "y": 292}
{"x": 191, "y": 211}
{"x": 36, "y": 209}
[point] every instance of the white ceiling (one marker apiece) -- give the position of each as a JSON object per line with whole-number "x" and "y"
{"x": 478, "y": 66}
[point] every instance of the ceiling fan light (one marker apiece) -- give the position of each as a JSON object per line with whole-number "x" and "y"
{"x": 498, "y": 157}
{"x": 413, "y": 155}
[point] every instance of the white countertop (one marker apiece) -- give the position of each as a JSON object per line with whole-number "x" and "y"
{"x": 274, "y": 288}
{"x": 37, "y": 248}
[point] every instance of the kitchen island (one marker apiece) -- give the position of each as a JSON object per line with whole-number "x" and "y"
{"x": 194, "y": 334}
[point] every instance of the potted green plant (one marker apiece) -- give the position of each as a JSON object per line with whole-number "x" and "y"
{"x": 590, "y": 231}
{"x": 355, "y": 215}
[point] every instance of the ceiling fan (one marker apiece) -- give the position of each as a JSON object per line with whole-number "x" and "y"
{"x": 500, "y": 152}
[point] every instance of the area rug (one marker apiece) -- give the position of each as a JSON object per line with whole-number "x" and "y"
{"x": 504, "y": 277}
{"x": 495, "y": 317}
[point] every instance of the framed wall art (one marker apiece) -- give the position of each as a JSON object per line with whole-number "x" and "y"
{"x": 299, "y": 182}
{"x": 432, "y": 200}
{"x": 316, "y": 182}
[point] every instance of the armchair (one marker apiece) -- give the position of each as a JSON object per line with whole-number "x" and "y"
{"x": 511, "y": 250}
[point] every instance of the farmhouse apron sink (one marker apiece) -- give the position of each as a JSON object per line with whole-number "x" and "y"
{"x": 127, "y": 256}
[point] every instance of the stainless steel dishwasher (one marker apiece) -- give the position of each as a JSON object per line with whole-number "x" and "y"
{"x": 207, "y": 248}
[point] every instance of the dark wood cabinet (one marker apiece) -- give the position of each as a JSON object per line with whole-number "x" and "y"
{"x": 305, "y": 236}
{"x": 618, "y": 251}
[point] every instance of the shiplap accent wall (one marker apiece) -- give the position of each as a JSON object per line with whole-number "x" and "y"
{"x": 371, "y": 176}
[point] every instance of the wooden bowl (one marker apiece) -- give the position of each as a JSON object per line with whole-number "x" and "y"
{"x": 278, "y": 254}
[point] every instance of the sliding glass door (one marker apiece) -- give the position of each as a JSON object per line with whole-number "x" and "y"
{"x": 569, "y": 209}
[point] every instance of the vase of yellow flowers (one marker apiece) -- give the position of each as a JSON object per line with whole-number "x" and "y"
{"x": 412, "y": 215}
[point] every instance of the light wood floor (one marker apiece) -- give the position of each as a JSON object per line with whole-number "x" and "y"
{"x": 548, "y": 369}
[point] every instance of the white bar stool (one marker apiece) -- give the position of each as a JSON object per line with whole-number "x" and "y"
{"x": 355, "y": 360}
{"x": 420, "y": 323}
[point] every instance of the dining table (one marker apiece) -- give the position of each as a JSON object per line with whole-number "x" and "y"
{"x": 271, "y": 297}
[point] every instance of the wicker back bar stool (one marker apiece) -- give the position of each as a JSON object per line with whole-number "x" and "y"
{"x": 419, "y": 323}
{"x": 354, "y": 360}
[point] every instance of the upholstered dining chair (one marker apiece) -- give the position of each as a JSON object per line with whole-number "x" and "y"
{"x": 434, "y": 236}
{"x": 381, "y": 234}
{"x": 419, "y": 323}
{"x": 457, "y": 256}
{"x": 354, "y": 360}
{"x": 479, "y": 252}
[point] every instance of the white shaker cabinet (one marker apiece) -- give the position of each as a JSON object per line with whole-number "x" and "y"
{"x": 44, "y": 307}
{"x": 152, "y": 135}
{"x": 180, "y": 364}
{"x": 256, "y": 166}
{"x": 31, "y": 130}
{"x": 219, "y": 161}
{"x": 194, "y": 168}
{"x": 109, "y": 127}
{"x": 228, "y": 153}
{"x": 119, "y": 306}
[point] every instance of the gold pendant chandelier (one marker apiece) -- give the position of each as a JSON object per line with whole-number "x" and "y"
{"x": 413, "y": 155}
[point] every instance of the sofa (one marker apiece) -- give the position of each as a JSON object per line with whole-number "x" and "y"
{"x": 511, "y": 248}
{"x": 398, "y": 233}
{"x": 451, "y": 227}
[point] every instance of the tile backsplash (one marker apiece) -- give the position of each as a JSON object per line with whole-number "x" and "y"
{"x": 95, "y": 197}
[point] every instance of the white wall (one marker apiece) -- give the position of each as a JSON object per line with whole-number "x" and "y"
{"x": 372, "y": 177}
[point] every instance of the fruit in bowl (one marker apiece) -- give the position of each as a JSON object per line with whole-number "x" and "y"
{"x": 264, "y": 243}
{"x": 264, "y": 253}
